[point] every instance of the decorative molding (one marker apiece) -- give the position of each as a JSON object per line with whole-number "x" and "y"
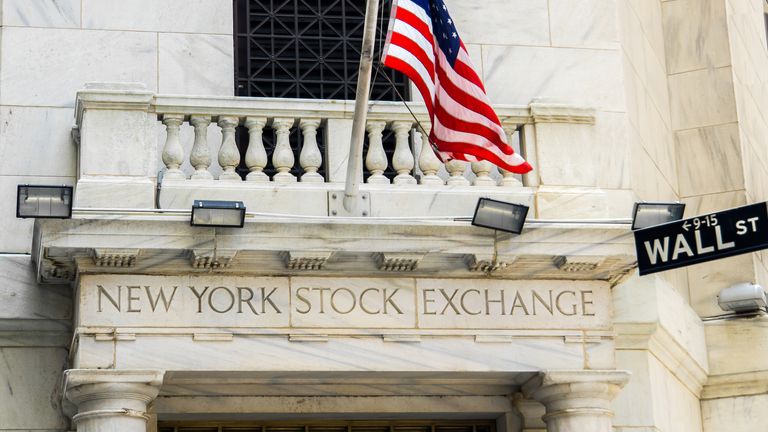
{"x": 308, "y": 338}
{"x": 582, "y": 339}
{"x": 543, "y": 112}
{"x": 310, "y": 260}
{"x": 736, "y": 385}
{"x": 54, "y": 271}
{"x": 454, "y": 250}
{"x": 402, "y": 338}
{"x": 656, "y": 339}
{"x": 75, "y": 134}
{"x": 493, "y": 338}
{"x": 530, "y": 411}
{"x": 485, "y": 263}
{"x": 578, "y": 264}
{"x": 210, "y": 259}
{"x": 39, "y": 333}
{"x": 114, "y": 336}
{"x": 112, "y": 96}
{"x": 114, "y": 257}
{"x": 212, "y": 337}
{"x": 398, "y": 262}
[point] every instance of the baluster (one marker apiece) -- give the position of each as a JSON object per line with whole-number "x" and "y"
{"x": 310, "y": 157}
{"x": 376, "y": 159}
{"x": 282, "y": 157}
{"x": 200, "y": 157}
{"x": 256, "y": 156}
{"x": 229, "y": 155}
{"x": 456, "y": 169}
{"x": 482, "y": 169}
{"x": 428, "y": 161}
{"x": 402, "y": 160}
{"x": 173, "y": 152}
{"x": 507, "y": 177}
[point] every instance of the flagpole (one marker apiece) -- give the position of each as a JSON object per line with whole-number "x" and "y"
{"x": 355, "y": 161}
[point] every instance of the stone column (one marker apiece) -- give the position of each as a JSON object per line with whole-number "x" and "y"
{"x": 577, "y": 401}
{"x": 111, "y": 400}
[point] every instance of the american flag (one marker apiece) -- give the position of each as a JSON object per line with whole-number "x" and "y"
{"x": 422, "y": 42}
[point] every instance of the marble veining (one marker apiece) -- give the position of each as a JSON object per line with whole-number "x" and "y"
{"x": 184, "y": 16}
{"x": 41, "y": 13}
{"x": 196, "y": 64}
{"x": 30, "y": 54}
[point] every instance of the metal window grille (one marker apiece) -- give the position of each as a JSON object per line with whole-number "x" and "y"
{"x": 307, "y": 49}
{"x": 335, "y": 426}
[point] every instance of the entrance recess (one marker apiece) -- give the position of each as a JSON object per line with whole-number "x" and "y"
{"x": 333, "y": 426}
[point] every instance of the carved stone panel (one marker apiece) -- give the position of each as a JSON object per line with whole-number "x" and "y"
{"x": 317, "y": 303}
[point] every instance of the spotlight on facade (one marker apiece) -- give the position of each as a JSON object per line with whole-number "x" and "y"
{"x": 38, "y": 201}
{"x": 500, "y": 215}
{"x": 742, "y": 298}
{"x": 218, "y": 214}
{"x": 649, "y": 214}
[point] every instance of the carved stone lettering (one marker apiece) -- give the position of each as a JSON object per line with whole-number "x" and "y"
{"x": 337, "y": 303}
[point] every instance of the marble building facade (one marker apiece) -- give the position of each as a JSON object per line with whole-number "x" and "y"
{"x": 127, "y": 318}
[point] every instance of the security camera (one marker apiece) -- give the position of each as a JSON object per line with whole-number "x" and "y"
{"x": 742, "y": 297}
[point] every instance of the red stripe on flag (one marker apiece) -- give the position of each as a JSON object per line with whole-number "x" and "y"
{"x": 415, "y": 77}
{"x": 456, "y": 124}
{"x": 458, "y": 148}
{"x": 414, "y": 48}
{"x": 465, "y": 69}
{"x": 465, "y": 99}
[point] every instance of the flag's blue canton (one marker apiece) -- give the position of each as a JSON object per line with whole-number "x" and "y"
{"x": 444, "y": 30}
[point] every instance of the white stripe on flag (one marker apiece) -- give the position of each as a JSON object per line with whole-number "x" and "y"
{"x": 444, "y": 133}
{"x": 406, "y": 56}
{"x": 416, "y": 10}
{"x": 414, "y": 35}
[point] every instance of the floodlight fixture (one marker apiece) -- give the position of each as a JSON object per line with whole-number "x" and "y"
{"x": 500, "y": 215}
{"x": 218, "y": 214}
{"x": 742, "y": 298}
{"x": 647, "y": 214}
{"x": 41, "y": 201}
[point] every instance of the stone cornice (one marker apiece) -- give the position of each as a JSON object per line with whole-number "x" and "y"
{"x": 164, "y": 241}
{"x": 654, "y": 338}
{"x": 546, "y": 112}
{"x": 122, "y": 96}
{"x": 29, "y": 333}
{"x": 736, "y": 385}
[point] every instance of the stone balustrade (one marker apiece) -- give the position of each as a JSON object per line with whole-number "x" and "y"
{"x": 412, "y": 158}
{"x": 290, "y": 156}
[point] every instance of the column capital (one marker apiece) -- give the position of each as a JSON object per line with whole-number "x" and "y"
{"x": 114, "y": 397}
{"x": 577, "y": 400}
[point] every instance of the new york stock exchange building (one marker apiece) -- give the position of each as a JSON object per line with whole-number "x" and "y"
{"x": 394, "y": 313}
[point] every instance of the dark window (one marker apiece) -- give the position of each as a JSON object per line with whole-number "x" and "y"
{"x": 334, "y": 426}
{"x": 307, "y": 49}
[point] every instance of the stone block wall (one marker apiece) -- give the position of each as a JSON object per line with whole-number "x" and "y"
{"x": 49, "y": 49}
{"x": 564, "y": 51}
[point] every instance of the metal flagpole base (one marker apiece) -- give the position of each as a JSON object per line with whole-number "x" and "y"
{"x": 360, "y": 204}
